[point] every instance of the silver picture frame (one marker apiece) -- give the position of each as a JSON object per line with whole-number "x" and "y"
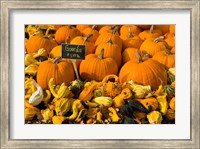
{"x": 192, "y": 5}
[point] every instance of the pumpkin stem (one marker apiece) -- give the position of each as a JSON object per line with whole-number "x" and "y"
{"x": 94, "y": 26}
{"x": 115, "y": 29}
{"x": 87, "y": 37}
{"x": 67, "y": 40}
{"x": 110, "y": 41}
{"x": 130, "y": 33}
{"x": 57, "y": 59}
{"x": 139, "y": 57}
{"x": 151, "y": 29}
{"x": 112, "y": 27}
{"x": 100, "y": 56}
{"x": 168, "y": 51}
{"x": 159, "y": 39}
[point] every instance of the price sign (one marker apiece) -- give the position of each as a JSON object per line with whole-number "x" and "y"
{"x": 72, "y": 51}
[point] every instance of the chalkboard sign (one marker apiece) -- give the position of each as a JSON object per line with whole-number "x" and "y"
{"x": 72, "y": 51}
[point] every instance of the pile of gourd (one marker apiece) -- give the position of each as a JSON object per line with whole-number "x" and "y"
{"x": 127, "y": 77}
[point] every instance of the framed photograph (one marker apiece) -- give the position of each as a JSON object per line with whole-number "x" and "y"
{"x": 100, "y": 74}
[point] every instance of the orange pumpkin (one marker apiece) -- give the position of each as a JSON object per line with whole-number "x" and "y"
{"x": 163, "y": 28}
{"x": 172, "y": 29}
{"x": 173, "y": 50}
{"x": 60, "y": 69}
{"x": 82, "y": 27}
{"x": 170, "y": 39}
{"x": 129, "y": 54}
{"x": 151, "y": 47}
{"x": 150, "y": 34}
{"x": 149, "y": 72}
{"x": 66, "y": 31}
{"x": 93, "y": 31}
{"x": 108, "y": 29}
{"x": 110, "y": 50}
{"x": 131, "y": 41}
{"x": 96, "y": 67}
{"x": 105, "y": 37}
{"x": 89, "y": 46}
{"x": 34, "y": 43}
{"x": 126, "y": 29}
{"x": 166, "y": 58}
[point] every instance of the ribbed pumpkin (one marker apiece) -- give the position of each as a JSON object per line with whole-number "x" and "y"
{"x": 60, "y": 69}
{"x": 126, "y": 29}
{"x": 129, "y": 54}
{"x": 166, "y": 58}
{"x": 173, "y": 50}
{"x": 150, "y": 34}
{"x": 133, "y": 41}
{"x": 96, "y": 67}
{"x": 151, "y": 47}
{"x": 93, "y": 31}
{"x": 66, "y": 31}
{"x": 34, "y": 43}
{"x": 105, "y": 37}
{"x": 82, "y": 27}
{"x": 172, "y": 29}
{"x": 170, "y": 39}
{"x": 163, "y": 28}
{"x": 89, "y": 46}
{"x": 108, "y": 29}
{"x": 149, "y": 72}
{"x": 110, "y": 50}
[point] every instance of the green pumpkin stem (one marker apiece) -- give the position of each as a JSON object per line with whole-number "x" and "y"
{"x": 87, "y": 37}
{"x": 100, "y": 56}
{"x": 151, "y": 29}
{"x": 57, "y": 59}
{"x": 139, "y": 57}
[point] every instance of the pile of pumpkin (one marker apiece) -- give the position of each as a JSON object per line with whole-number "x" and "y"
{"x": 127, "y": 77}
